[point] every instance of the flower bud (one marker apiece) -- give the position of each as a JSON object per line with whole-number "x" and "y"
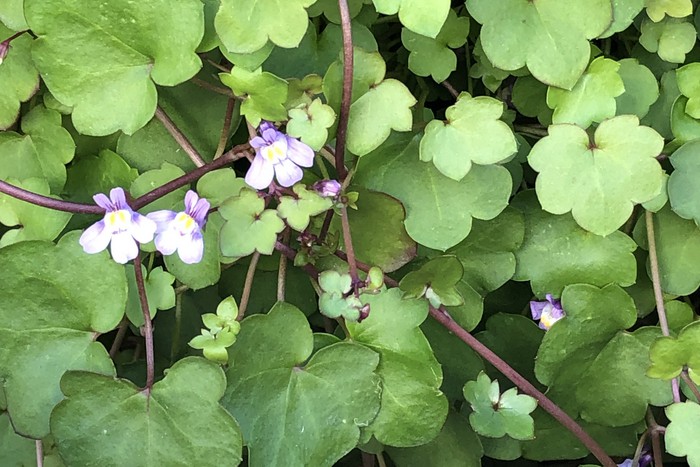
{"x": 327, "y": 188}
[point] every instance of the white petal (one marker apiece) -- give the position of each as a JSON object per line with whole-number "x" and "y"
{"x": 299, "y": 153}
{"x": 168, "y": 241}
{"x": 142, "y": 228}
{"x": 191, "y": 249}
{"x": 288, "y": 173}
{"x": 260, "y": 173}
{"x": 95, "y": 238}
{"x": 124, "y": 247}
{"x": 161, "y": 218}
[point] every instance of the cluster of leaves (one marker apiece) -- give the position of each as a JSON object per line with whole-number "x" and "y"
{"x": 498, "y": 151}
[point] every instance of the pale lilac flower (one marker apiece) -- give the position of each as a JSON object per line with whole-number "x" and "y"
{"x": 548, "y": 312}
{"x": 182, "y": 231}
{"x": 121, "y": 225}
{"x": 327, "y": 188}
{"x": 277, "y": 155}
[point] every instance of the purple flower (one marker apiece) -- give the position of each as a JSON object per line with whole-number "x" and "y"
{"x": 121, "y": 226}
{"x": 182, "y": 231}
{"x": 327, "y": 188}
{"x": 548, "y": 312}
{"x": 277, "y": 154}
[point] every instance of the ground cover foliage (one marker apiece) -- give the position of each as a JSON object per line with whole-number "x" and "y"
{"x": 354, "y": 232}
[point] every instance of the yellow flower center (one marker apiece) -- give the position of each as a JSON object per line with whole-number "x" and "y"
{"x": 185, "y": 223}
{"x": 118, "y": 220}
{"x": 273, "y": 152}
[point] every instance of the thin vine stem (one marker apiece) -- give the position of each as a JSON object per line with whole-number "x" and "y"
{"x": 248, "y": 285}
{"x": 446, "y": 84}
{"x": 230, "y": 107}
{"x": 658, "y": 294}
{"x": 693, "y": 387}
{"x": 282, "y": 271}
{"x": 179, "y": 136}
{"x": 640, "y": 448}
{"x": 655, "y": 434}
{"x": 147, "y": 326}
{"x": 349, "y": 249}
{"x": 212, "y": 87}
{"x": 341, "y": 134}
{"x": 119, "y": 338}
{"x": 39, "y": 444}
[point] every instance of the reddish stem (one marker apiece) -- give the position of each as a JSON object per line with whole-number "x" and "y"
{"x": 147, "y": 326}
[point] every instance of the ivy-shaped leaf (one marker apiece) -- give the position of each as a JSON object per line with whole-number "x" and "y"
{"x": 517, "y": 34}
{"x": 660, "y": 113}
{"x": 641, "y": 89}
{"x": 369, "y": 69}
{"x": 337, "y": 300}
{"x": 298, "y": 211}
{"x": 682, "y": 433}
{"x": 687, "y": 78}
{"x": 530, "y": 99}
{"x": 657, "y": 9}
{"x": 19, "y": 80}
{"x": 436, "y": 281}
{"x": 176, "y": 422}
{"x": 439, "y": 214}
{"x": 434, "y": 57}
{"x": 159, "y": 290}
{"x": 671, "y": 38}
{"x": 219, "y": 185}
{"x": 473, "y": 133}
{"x": 264, "y": 94}
{"x": 495, "y": 414}
{"x": 310, "y": 123}
{"x": 556, "y": 252}
{"x": 249, "y": 227}
{"x": 12, "y": 15}
{"x": 598, "y": 180}
{"x": 245, "y": 27}
{"x": 592, "y": 99}
{"x": 491, "y": 76}
{"x": 296, "y": 410}
{"x": 413, "y": 408}
{"x": 420, "y": 17}
{"x": 119, "y": 51}
{"x": 683, "y": 189}
{"x": 624, "y": 12}
{"x": 329, "y": 9}
{"x": 151, "y": 180}
{"x": 15, "y": 449}
{"x": 669, "y": 355}
{"x": 43, "y": 342}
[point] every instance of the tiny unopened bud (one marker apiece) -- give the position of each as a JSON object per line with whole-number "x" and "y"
{"x": 4, "y": 50}
{"x": 327, "y": 188}
{"x": 364, "y": 312}
{"x": 375, "y": 278}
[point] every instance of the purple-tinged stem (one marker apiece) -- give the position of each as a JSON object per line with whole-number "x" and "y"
{"x": 147, "y": 326}
{"x": 346, "y": 99}
{"x": 349, "y": 249}
{"x": 248, "y": 285}
{"x": 230, "y": 106}
{"x": 179, "y": 136}
{"x": 47, "y": 202}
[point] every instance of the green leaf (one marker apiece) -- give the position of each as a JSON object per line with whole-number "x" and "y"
{"x": 12, "y": 15}
{"x": 178, "y": 422}
{"x": 659, "y": 116}
{"x": 329, "y": 9}
{"x": 33, "y": 222}
{"x": 96, "y": 58}
{"x": 97, "y": 174}
{"x": 657, "y": 9}
{"x": 264, "y": 94}
{"x": 683, "y": 191}
{"x": 44, "y": 341}
{"x": 153, "y": 179}
{"x": 420, "y": 17}
{"x": 298, "y": 210}
{"x": 219, "y": 185}
{"x": 517, "y": 34}
{"x": 687, "y": 78}
{"x": 434, "y": 57}
{"x": 337, "y": 301}
{"x": 599, "y": 181}
{"x": 681, "y": 434}
{"x": 159, "y": 290}
{"x": 14, "y": 449}
{"x": 671, "y": 38}
{"x": 556, "y": 252}
{"x": 679, "y": 315}
{"x": 310, "y": 123}
{"x": 495, "y": 414}
{"x": 249, "y": 227}
{"x": 624, "y": 12}
{"x": 284, "y": 401}
{"x": 683, "y": 127}
{"x": 677, "y": 248}
{"x": 592, "y": 99}
{"x": 413, "y": 408}
{"x": 369, "y": 70}
{"x": 439, "y": 210}
{"x": 641, "y": 89}
{"x": 436, "y": 281}
{"x": 669, "y": 355}
{"x": 529, "y": 98}
{"x": 245, "y": 27}
{"x": 19, "y": 80}
{"x": 491, "y": 76}
{"x": 472, "y": 133}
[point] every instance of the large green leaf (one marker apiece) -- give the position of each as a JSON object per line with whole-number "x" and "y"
{"x": 177, "y": 423}
{"x": 682, "y": 433}
{"x": 94, "y": 56}
{"x": 264, "y": 94}
{"x": 74, "y": 297}
{"x": 683, "y": 189}
{"x": 670, "y": 355}
{"x": 294, "y": 410}
{"x": 517, "y": 33}
{"x": 424, "y": 18}
{"x": 598, "y": 180}
{"x": 670, "y": 38}
{"x": 15, "y": 450}
{"x": 556, "y": 252}
{"x": 413, "y": 408}
{"x": 19, "y": 80}
{"x": 657, "y": 9}
{"x": 12, "y": 15}
{"x": 641, "y": 89}
{"x": 439, "y": 210}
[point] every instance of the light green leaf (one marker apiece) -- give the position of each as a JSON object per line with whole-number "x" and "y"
{"x": 669, "y": 355}
{"x": 219, "y": 185}
{"x": 425, "y": 18}
{"x": 294, "y": 410}
{"x": 671, "y": 38}
{"x": 681, "y": 434}
{"x": 178, "y": 422}
{"x": 159, "y": 290}
{"x": 369, "y": 70}
{"x": 250, "y": 61}
{"x": 659, "y": 116}
{"x": 310, "y": 123}
{"x": 624, "y": 12}
{"x": 298, "y": 211}
{"x": 683, "y": 127}
{"x": 19, "y": 80}
{"x": 516, "y": 34}
{"x": 592, "y": 99}
{"x": 434, "y": 57}
{"x": 413, "y": 408}
{"x": 687, "y": 78}
{"x": 15, "y": 450}
{"x": 599, "y": 181}
{"x": 97, "y": 174}
{"x": 249, "y": 226}
{"x": 436, "y": 281}
{"x": 12, "y": 15}
{"x": 641, "y": 89}
{"x": 657, "y": 9}
{"x": 111, "y": 55}
{"x": 336, "y": 301}
{"x": 246, "y": 26}
{"x": 43, "y": 342}
{"x": 679, "y": 315}
{"x": 329, "y": 9}
{"x": 439, "y": 214}
{"x": 556, "y": 252}
{"x": 472, "y": 133}
{"x": 151, "y": 180}
{"x": 683, "y": 190}
{"x": 491, "y": 76}
{"x": 264, "y": 94}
